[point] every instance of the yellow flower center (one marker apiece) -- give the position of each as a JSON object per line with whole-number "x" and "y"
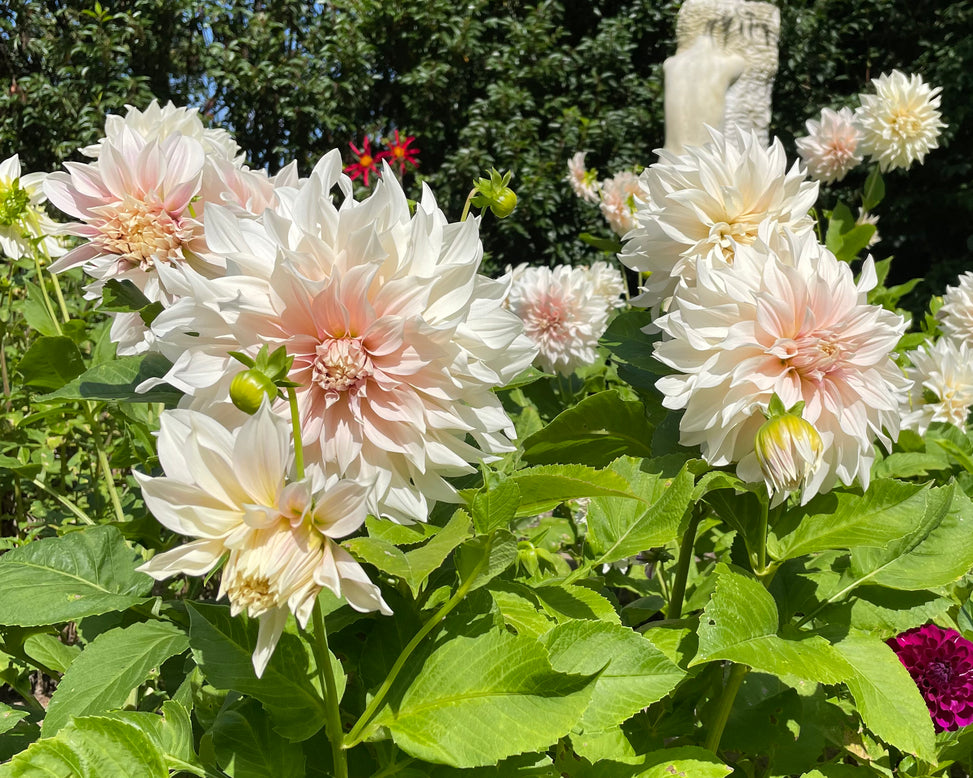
{"x": 252, "y": 593}
{"x": 341, "y": 364}
{"x": 142, "y": 233}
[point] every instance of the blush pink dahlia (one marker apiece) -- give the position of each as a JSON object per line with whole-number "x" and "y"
{"x": 796, "y": 326}
{"x": 830, "y": 149}
{"x": 397, "y": 341}
{"x": 940, "y": 661}
{"x": 620, "y": 196}
{"x": 584, "y": 182}
{"x": 942, "y": 373}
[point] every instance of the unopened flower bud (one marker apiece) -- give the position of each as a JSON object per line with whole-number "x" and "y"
{"x": 789, "y": 450}
{"x": 504, "y": 203}
{"x": 249, "y": 388}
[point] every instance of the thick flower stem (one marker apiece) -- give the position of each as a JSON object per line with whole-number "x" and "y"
{"x": 103, "y": 462}
{"x": 333, "y": 722}
{"x": 715, "y": 734}
{"x": 357, "y": 732}
{"x": 296, "y": 426}
{"x": 682, "y": 565}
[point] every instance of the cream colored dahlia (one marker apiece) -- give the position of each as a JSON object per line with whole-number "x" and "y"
{"x": 712, "y": 199}
{"x": 942, "y": 389}
{"x": 231, "y": 491}
{"x": 956, "y": 314}
{"x": 565, "y": 311}
{"x": 830, "y": 149}
{"x": 584, "y": 182}
{"x": 397, "y": 340}
{"x": 22, "y": 217}
{"x": 901, "y": 122}
{"x": 620, "y": 196}
{"x": 801, "y": 329}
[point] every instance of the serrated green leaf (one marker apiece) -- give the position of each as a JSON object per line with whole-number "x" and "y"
{"x": 50, "y": 362}
{"x": 632, "y": 348}
{"x": 109, "y": 668}
{"x": 494, "y": 677}
{"x": 497, "y": 552}
{"x": 247, "y": 747}
{"x": 36, "y": 313}
{"x": 619, "y": 528}
{"x": 631, "y": 672}
{"x": 172, "y": 734}
{"x": 521, "y": 608}
{"x": 9, "y": 717}
{"x": 495, "y": 507}
{"x": 399, "y": 534}
{"x": 116, "y": 381}
{"x": 51, "y": 652}
{"x": 122, "y": 296}
{"x": 596, "y": 431}
{"x": 568, "y": 602}
{"x": 223, "y": 647}
{"x": 684, "y": 762}
{"x": 84, "y": 573}
{"x": 547, "y": 486}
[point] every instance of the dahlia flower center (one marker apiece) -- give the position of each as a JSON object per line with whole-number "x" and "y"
{"x": 14, "y": 203}
{"x": 142, "y": 232}
{"x": 905, "y": 123}
{"x": 547, "y": 316}
{"x": 341, "y": 364}
{"x": 252, "y": 593}
{"x": 939, "y": 673}
{"x": 726, "y": 234}
{"x": 811, "y": 355}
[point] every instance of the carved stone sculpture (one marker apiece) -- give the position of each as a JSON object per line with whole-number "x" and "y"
{"x": 722, "y": 73}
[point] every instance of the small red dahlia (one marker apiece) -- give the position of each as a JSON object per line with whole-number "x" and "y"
{"x": 366, "y": 162}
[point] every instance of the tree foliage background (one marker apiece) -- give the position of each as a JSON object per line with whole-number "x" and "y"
{"x": 517, "y": 85}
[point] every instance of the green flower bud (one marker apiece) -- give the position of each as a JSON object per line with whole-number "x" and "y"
{"x": 249, "y": 388}
{"x": 504, "y": 203}
{"x": 789, "y": 450}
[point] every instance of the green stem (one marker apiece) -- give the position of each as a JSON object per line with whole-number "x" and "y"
{"x": 333, "y": 722}
{"x": 44, "y": 293}
{"x": 356, "y": 735}
{"x": 737, "y": 673}
{"x": 103, "y": 462}
{"x": 57, "y": 285}
{"x": 466, "y": 205}
{"x": 64, "y": 501}
{"x": 682, "y": 566}
{"x": 296, "y": 426}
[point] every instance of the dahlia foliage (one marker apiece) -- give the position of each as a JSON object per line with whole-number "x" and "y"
{"x": 288, "y": 479}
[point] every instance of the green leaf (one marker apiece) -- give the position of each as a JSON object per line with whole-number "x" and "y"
{"x": 91, "y": 747}
{"x": 494, "y": 508}
{"x": 545, "y": 487}
{"x": 84, "y": 573}
{"x": 50, "y": 362}
{"x": 399, "y": 534}
{"x": 567, "y": 602}
{"x": 500, "y": 550}
{"x": 909, "y": 464}
{"x": 840, "y": 222}
{"x": 51, "y": 652}
{"x": 632, "y": 349}
{"x": 116, "y": 381}
{"x": 874, "y": 189}
{"x": 9, "y": 717}
{"x": 608, "y": 245}
{"x": 939, "y": 552}
{"x": 246, "y": 746}
{"x": 223, "y": 647}
{"x": 495, "y": 677}
{"x": 619, "y": 528}
{"x": 172, "y": 734}
{"x": 521, "y": 608}
{"x": 36, "y": 312}
{"x": 636, "y": 674}
{"x": 109, "y": 668}
{"x": 740, "y": 623}
{"x": 886, "y": 696}
{"x": 597, "y": 430}
{"x": 684, "y": 762}
{"x": 122, "y": 296}
{"x": 889, "y": 510}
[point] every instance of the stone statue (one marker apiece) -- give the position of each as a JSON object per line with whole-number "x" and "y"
{"x": 722, "y": 73}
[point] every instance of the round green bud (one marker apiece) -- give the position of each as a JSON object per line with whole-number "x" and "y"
{"x": 504, "y": 203}
{"x": 249, "y": 388}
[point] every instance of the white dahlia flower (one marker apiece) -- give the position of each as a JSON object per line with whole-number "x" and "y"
{"x": 620, "y": 196}
{"x": 943, "y": 385}
{"x": 584, "y": 182}
{"x": 22, "y": 217}
{"x": 830, "y": 149}
{"x": 230, "y": 490}
{"x": 900, "y": 123}
{"x": 397, "y": 340}
{"x": 564, "y": 310}
{"x": 607, "y": 282}
{"x": 801, "y": 330}
{"x": 956, "y": 314}
{"x": 712, "y": 199}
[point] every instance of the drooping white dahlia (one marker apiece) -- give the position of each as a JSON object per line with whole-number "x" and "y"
{"x": 942, "y": 373}
{"x": 564, "y": 310}
{"x": 901, "y": 122}
{"x": 712, "y": 199}
{"x": 397, "y": 340}
{"x": 584, "y": 182}
{"x": 230, "y": 490}
{"x": 619, "y": 198}
{"x": 22, "y": 217}
{"x": 956, "y": 314}
{"x": 800, "y": 329}
{"x": 830, "y": 149}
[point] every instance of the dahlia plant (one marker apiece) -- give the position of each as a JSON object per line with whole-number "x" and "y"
{"x": 294, "y": 489}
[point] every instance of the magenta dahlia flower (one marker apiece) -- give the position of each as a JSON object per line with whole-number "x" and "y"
{"x": 940, "y": 661}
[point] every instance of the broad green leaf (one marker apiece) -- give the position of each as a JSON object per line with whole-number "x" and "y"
{"x": 596, "y": 431}
{"x": 938, "y": 553}
{"x": 380, "y": 553}
{"x": 476, "y": 700}
{"x": 9, "y": 717}
{"x": 887, "y": 612}
{"x": 568, "y": 602}
{"x": 526, "y": 766}
{"x": 494, "y": 508}
{"x": 51, "y": 652}
{"x": 91, "y": 747}
{"x": 886, "y": 696}
{"x": 36, "y": 313}
{"x": 521, "y": 608}
{"x": 83, "y": 573}
{"x": 122, "y": 296}
{"x": 840, "y": 771}
{"x": 223, "y": 647}
{"x": 247, "y": 747}
{"x": 487, "y": 556}
{"x": 684, "y": 762}
{"x": 909, "y": 464}
{"x": 888, "y": 510}
{"x": 116, "y": 381}
{"x": 631, "y": 672}
{"x": 619, "y": 528}
{"x": 740, "y": 623}
{"x": 109, "y": 668}
{"x": 547, "y": 486}
{"x": 399, "y": 534}
{"x": 172, "y": 734}
{"x": 632, "y": 349}
{"x": 874, "y": 189}
{"x": 50, "y": 362}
